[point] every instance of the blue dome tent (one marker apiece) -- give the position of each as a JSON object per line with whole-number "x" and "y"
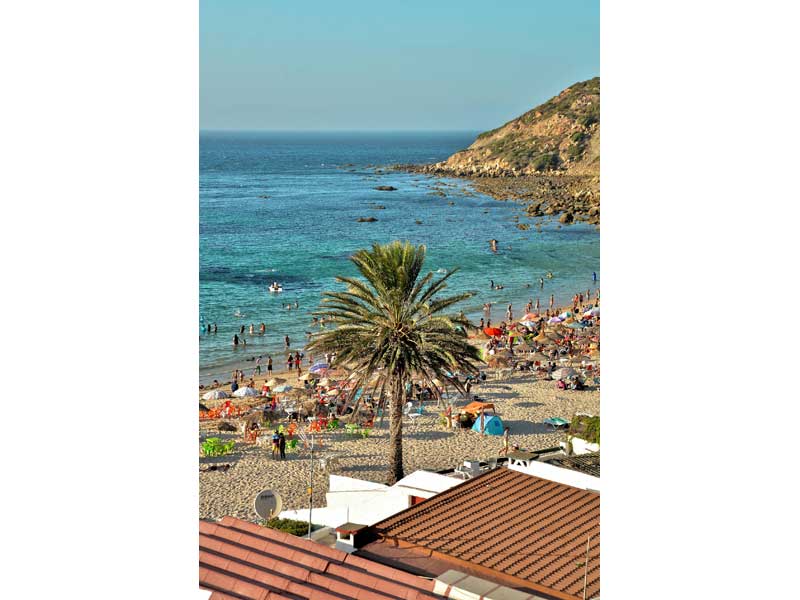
{"x": 492, "y": 425}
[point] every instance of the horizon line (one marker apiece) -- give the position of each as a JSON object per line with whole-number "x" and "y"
{"x": 344, "y": 130}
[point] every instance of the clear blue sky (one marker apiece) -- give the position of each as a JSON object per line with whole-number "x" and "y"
{"x": 411, "y": 65}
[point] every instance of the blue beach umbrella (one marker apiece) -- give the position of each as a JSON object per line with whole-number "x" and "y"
{"x": 319, "y": 367}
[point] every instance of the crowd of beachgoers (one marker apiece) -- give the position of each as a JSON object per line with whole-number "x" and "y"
{"x": 537, "y": 369}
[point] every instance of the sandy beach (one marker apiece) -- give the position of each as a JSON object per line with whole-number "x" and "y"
{"x": 522, "y": 402}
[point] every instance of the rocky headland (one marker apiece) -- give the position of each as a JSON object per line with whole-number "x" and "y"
{"x": 548, "y": 158}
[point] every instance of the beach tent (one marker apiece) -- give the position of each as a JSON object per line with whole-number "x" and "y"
{"x": 215, "y": 395}
{"x": 245, "y": 392}
{"x": 492, "y": 425}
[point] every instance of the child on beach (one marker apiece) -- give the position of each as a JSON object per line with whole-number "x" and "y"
{"x": 276, "y": 439}
{"x": 269, "y": 365}
{"x": 506, "y": 432}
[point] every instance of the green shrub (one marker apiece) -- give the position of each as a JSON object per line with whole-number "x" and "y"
{"x": 578, "y": 137}
{"x": 298, "y": 528}
{"x": 546, "y": 162}
{"x": 216, "y": 447}
{"x": 587, "y": 428}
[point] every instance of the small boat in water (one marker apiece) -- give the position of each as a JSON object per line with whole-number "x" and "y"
{"x": 275, "y": 287}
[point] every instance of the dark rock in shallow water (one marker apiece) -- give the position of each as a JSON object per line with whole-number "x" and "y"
{"x": 366, "y": 220}
{"x": 379, "y": 207}
{"x": 418, "y": 222}
{"x": 566, "y": 218}
{"x": 386, "y": 188}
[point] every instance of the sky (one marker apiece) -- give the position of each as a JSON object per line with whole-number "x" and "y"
{"x": 411, "y": 65}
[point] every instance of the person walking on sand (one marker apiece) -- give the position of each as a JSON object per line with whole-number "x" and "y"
{"x": 537, "y": 305}
{"x": 257, "y": 370}
{"x": 269, "y": 365}
{"x": 297, "y": 361}
{"x": 552, "y": 301}
{"x": 282, "y": 445}
{"x": 506, "y": 432}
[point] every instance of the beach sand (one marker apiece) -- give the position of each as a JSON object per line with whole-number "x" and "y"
{"x": 522, "y": 402}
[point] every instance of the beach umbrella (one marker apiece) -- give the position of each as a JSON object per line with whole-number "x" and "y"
{"x": 320, "y": 367}
{"x": 215, "y": 395}
{"x": 307, "y": 376}
{"x": 245, "y": 392}
{"x": 564, "y": 373}
{"x": 324, "y": 382}
{"x": 531, "y": 317}
{"x": 565, "y": 314}
{"x": 554, "y": 320}
{"x": 275, "y": 381}
{"x": 281, "y": 389}
{"x": 576, "y": 325}
{"x": 492, "y": 331}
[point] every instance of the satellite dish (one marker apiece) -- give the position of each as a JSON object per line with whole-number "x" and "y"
{"x": 267, "y": 504}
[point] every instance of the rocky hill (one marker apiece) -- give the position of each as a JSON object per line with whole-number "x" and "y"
{"x": 549, "y": 157}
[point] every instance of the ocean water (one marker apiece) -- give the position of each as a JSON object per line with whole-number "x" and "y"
{"x": 301, "y": 234}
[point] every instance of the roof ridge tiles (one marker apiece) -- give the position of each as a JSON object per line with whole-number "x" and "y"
{"x": 507, "y": 522}
{"x": 263, "y": 565}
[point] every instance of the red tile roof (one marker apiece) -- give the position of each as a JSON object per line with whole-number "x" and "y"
{"x": 243, "y": 561}
{"x": 516, "y": 529}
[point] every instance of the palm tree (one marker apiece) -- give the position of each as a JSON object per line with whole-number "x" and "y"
{"x": 393, "y": 325}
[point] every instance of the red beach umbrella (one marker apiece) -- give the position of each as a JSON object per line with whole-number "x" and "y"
{"x": 492, "y": 331}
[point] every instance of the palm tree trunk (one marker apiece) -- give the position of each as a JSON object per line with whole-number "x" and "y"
{"x": 396, "y": 432}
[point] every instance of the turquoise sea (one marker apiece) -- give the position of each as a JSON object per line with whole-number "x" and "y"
{"x": 278, "y": 206}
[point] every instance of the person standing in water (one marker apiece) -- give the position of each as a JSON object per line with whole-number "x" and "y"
{"x": 235, "y": 340}
{"x": 541, "y": 283}
{"x": 252, "y": 329}
{"x": 537, "y": 305}
{"x": 594, "y": 276}
{"x": 215, "y": 328}
{"x": 528, "y": 306}
{"x": 509, "y": 314}
{"x": 286, "y": 341}
{"x": 552, "y": 301}
{"x": 269, "y": 365}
